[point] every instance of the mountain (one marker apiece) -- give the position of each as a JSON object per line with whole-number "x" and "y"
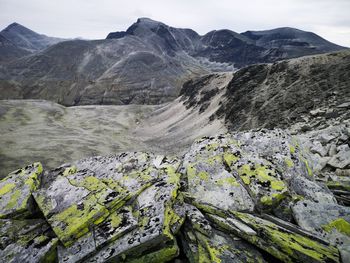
{"x": 9, "y": 51}
{"x": 146, "y": 64}
{"x": 291, "y": 42}
{"x": 27, "y": 39}
{"x": 300, "y": 95}
{"x": 243, "y": 49}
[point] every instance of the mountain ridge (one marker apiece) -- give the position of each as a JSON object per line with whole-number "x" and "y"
{"x": 146, "y": 64}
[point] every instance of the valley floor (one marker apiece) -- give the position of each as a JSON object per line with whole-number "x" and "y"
{"x": 34, "y": 130}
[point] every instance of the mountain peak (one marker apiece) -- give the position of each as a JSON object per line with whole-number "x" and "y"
{"x": 15, "y": 27}
{"x": 146, "y": 20}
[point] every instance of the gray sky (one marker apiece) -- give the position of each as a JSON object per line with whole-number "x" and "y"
{"x": 94, "y": 19}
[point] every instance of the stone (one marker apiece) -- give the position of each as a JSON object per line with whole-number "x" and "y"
{"x": 86, "y": 193}
{"x": 198, "y": 220}
{"x": 284, "y": 244}
{"x": 28, "y": 240}
{"x": 311, "y": 190}
{"x": 218, "y": 247}
{"x": 344, "y": 105}
{"x": 326, "y": 138}
{"x": 16, "y": 191}
{"x": 115, "y": 226}
{"x": 326, "y": 220}
{"x": 332, "y": 150}
{"x": 209, "y": 182}
{"x": 317, "y": 112}
{"x": 341, "y": 160}
{"x": 318, "y": 148}
{"x": 342, "y": 172}
{"x": 343, "y": 148}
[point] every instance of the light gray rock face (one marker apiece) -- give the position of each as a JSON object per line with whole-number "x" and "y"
{"x": 240, "y": 197}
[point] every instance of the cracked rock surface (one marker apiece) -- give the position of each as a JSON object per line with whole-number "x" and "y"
{"x": 257, "y": 196}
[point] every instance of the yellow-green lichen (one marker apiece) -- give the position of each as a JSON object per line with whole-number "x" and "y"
{"x": 172, "y": 176}
{"x": 209, "y": 252}
{"x": 160, "y": 256}
{"x": 308, "y": 168}
{"x": 193, "y": 175}
{"x": 339, "y": 224}
{"x": 115, "y": 220}
{"x": 230, "y": 158}
{"x": 345, "y": 186}
{"x": 289, "y": 163}
{"x": 259, "y": 174}
{"x": 278, "y": 185}
{"x": 211, "y": 146}
{"x": 291, "y": 149}
{"x": 7, "y": 188}
{"x": 75, "y": 221}
{"x": 275, "y": 198}
{"x": 13, "y": 202}
{"x": 70, "y": 170}
{"x": 227, "y": 181}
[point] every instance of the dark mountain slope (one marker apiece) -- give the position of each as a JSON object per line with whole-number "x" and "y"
{"x": 300, "y": 93}
{"x": 9, "y": 51}
{"x": 116, "y": 71}
{"x": 291, "y": 42}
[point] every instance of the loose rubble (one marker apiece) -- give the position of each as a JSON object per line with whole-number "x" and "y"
{"x": 257, "y": 196}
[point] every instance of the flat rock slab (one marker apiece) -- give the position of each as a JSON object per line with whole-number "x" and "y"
{"x": 284, "y": 244}
{"x": 16, "y": 190}
{"x": 209, "y": 181}
{"x": 219, "y": 246}
{"x": 116, "y": 225}
{"x": 27, "y": 241}
{"x": 154, "y": 235}
{"x": 75, "y": 198}
{"x": 327, "y": 220}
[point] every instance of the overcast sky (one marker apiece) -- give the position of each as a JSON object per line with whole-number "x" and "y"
{"x": 94, "y": 19}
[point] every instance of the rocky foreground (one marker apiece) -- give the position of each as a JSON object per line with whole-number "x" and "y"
{"x": 257, "y": 196}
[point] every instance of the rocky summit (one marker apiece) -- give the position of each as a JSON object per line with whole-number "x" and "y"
{"x": 256, "y": 196}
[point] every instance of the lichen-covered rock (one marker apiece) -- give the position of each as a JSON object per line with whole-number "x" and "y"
{"x": 209, "y": 181}
{"x": 16, "y": 189}
{"x": 245, "y": 197}
{"x": 284, "y": 244}
{"x": 26, "y": 241}
{"x": 311, "y": 190}
{"x": 244, "y": 170}
{"x": 329, "y": 221}
{"x": 217, "y": 247}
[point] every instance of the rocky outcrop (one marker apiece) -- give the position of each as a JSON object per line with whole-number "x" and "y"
{"x": 241, "y": 197}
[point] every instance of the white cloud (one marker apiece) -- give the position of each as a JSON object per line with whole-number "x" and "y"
{"x": 96, "y": 18}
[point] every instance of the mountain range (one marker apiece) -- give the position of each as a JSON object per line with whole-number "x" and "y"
{"x": 146, "y": 64}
